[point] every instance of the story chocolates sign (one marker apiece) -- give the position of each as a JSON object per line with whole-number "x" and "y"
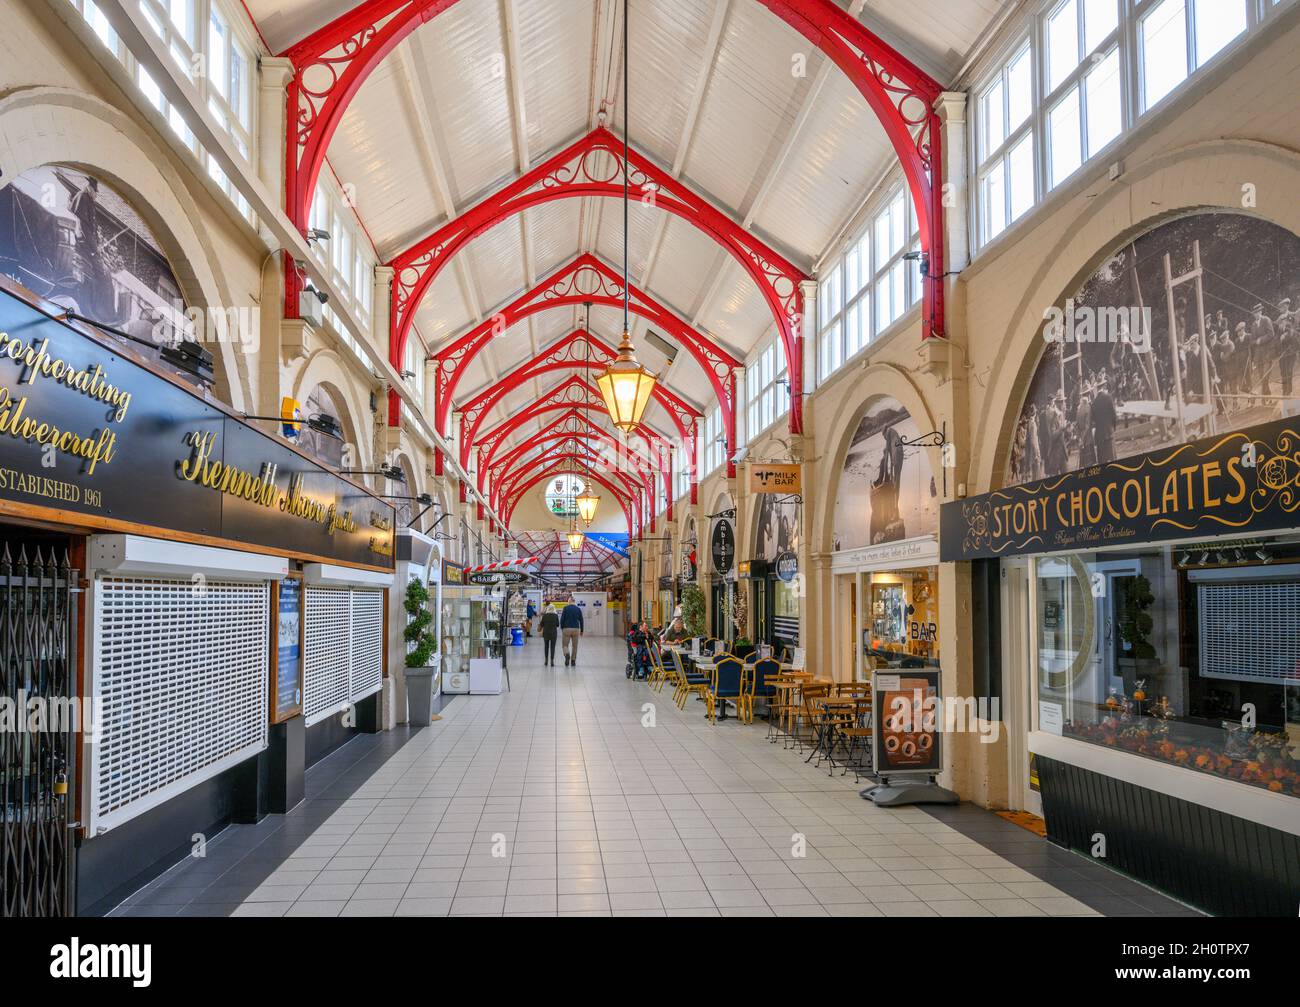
{"x": 1234, "y": 483}
{"x": 89, "y": 436}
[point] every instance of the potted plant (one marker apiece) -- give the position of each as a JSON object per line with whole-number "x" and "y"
{"x": 741, "y": 646}
{"x": 693, "y": 610}
{"x": 1135, "y": 626}
{"x": 419, "y": 670}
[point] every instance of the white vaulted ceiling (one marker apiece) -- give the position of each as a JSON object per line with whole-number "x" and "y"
{"x": 489, "y": 88}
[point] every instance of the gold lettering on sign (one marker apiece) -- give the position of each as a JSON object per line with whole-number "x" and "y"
{"x": 204, "y": 470}
{"x": 100, "y": 447}
{"x": 36, "y": 361}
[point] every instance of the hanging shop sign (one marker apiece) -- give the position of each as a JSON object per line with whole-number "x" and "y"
{"x": 773, "y": 478}
{"x": 787, "y": 566}
{"x": 1240, "y": 482}
{"x": 908, "y": 722}
{"x": 722, "y": 546}
{"x": 286, "y": 689}
{"x": 491, "y": 577}
{"x": 452, "y": 573}
{"x": 90, "y": 436}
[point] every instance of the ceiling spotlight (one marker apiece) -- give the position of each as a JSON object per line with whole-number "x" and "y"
{"x": 317, "y": 234}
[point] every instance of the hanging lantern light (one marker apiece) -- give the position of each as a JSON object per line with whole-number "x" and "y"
{"x": 575, "y": 538}
{"x": 625, "y": 385}
{"x": 587, "y": 503}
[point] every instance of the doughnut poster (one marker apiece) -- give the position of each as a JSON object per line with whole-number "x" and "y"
{"x": 907, "y": 722}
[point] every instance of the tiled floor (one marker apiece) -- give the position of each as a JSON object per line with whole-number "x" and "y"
{"x": 581, "y": 793}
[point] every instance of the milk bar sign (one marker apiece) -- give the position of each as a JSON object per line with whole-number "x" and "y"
{"x": 1239, "y": 482}
{"x": 775, "y": 479}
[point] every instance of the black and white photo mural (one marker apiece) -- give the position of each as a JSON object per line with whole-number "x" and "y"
{"x": 886, "y": 490}
{"x": 1191, "y": 330}
{"x": 73, "y": 240}
{"x": 780, "y": 519}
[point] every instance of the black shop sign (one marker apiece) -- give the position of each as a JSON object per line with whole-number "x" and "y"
{"x": 722, "y": 546}
{"x": 1233, "y": 483}
{"x": 90, "y": 436}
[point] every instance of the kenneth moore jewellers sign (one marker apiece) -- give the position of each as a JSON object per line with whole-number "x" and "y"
{"x": 1232, "y": 483}
{"x": 88, "y": 434}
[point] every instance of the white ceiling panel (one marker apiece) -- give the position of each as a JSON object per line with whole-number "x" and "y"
{"x": 555, "y": 53}
{"x": 751, "y": 103}
{"x": 822, "y": 181}
{"x": 465, "y": 56}
{"x": 667, "y": 53}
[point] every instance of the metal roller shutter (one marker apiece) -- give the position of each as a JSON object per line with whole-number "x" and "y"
{"x": 179, "y": 673}
{"x": 344, "y": 655}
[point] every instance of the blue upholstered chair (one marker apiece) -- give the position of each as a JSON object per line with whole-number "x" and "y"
{"x": 758, "y": 685}
{"x": 724, "y": 683}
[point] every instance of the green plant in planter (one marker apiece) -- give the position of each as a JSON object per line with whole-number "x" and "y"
{"x": 417, "y": 632}
{"x": 693, "y": 610}
{"x": 1136, "y": 625}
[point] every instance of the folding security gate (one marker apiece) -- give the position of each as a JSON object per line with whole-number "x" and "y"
{"x": 37, "y": 680}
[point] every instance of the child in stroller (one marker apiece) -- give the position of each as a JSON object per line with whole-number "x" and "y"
{"x": 639, "y": 642}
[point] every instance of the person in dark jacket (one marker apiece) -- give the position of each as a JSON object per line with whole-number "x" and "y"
{"x": 550, "y": 627}
{"x": 572, "y": 627}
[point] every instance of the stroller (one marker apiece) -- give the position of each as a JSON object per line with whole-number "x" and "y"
{"x": 638, "y": 655}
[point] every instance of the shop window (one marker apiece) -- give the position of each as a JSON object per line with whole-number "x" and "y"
{"x": 1185, "y": 655}
{"x": 902, "y": 624}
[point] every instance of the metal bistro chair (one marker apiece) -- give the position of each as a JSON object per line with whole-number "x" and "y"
{"x": 687, "y": 682}
{"x": 807, "y": 714}
{"x": 759, "y": 686}
{"x": 659, "y": 673}
{"x": 725, "y": 685}
{"x": 855, "y": 736}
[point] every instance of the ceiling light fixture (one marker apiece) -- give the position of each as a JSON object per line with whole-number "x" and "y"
{"x": 625, "y": 385}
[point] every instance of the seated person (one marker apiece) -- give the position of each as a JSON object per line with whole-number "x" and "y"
{"x": 676, "y": 632}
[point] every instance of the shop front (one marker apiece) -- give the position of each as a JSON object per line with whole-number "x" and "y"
{"x": 885, "y": 549}
{"x": 1150, "y": 606}
{"x": 210, "y": 596}
{"x": 776, "y": 583}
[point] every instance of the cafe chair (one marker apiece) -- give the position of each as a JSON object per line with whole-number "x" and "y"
{"x": 688, "y": 682}
{"x": 659, "y": 673}
{"x": 854, "y": 738}
{"x": 724, "y": 684}
{"x": 758, "y": 685}
{"x": 805, "y": 717}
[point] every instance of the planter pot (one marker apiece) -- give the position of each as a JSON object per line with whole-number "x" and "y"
{"x": 742, "y": 650}
{"x": 419, "y": 696}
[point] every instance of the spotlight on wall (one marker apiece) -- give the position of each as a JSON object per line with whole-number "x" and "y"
{"x": 320, "y": 295}
{"x": 324, "y": 423}
{"x": 317, "y": 234}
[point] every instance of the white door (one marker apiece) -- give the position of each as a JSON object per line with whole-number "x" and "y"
{"x": 1018, "y": 683}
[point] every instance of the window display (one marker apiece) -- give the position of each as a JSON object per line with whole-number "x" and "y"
{"x": 902, "y": 621}
{"x": 1189, "y": 655}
